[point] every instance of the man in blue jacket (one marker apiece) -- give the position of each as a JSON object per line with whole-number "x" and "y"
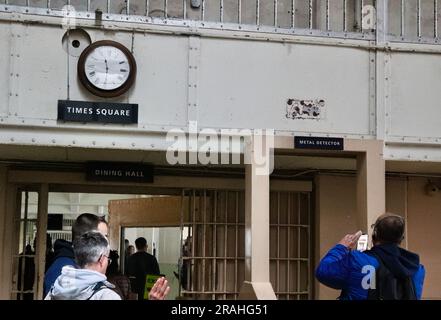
{"x": 346, "y": 269}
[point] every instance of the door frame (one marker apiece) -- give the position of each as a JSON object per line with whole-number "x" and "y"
{"x": 45, "y": 182}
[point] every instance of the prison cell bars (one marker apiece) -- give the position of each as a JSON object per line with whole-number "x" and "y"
{"x": 293, "y": 228}
{"x": 419, "y": 17}
{"x": 219, "y": 260}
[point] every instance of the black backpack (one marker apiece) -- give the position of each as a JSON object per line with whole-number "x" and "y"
{"x": 389, "y": 287}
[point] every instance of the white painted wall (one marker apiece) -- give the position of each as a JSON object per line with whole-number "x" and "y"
{"x": 236, "y": 83}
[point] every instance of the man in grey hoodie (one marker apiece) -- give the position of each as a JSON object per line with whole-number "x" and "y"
{"x": 63, "y": 251}
{"x": 89, "y": 282}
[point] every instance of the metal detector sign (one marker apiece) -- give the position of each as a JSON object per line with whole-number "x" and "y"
{"x": 125, "y": 172}
{"x": 319, "y": 143}
{"x": 103, "y": 112}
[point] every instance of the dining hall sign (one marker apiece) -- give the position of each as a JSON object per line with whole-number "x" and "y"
{"x": 119, "y": 172}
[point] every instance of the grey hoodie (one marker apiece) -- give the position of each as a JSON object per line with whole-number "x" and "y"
{"x": 79, "y": 284}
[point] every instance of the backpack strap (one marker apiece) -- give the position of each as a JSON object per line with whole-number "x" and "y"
{"x": 98, "y": 287}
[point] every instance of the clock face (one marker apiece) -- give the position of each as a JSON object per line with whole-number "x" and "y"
{"x": 107, "y": 68}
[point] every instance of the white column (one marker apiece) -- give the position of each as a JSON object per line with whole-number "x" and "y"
{"x": 257, "y": 274}
{"x": 371, "y": 187}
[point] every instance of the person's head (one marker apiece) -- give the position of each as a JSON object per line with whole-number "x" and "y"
{"x": 130, "y": 250}
{"x": 187, "y": 244}
{"x": 88, "y": 222}
{"x": 389, "y": 228}
{"x": 28, "y": 249}
{"x": 92, "y": 251}
{"x": 126, "y": 243}
{"x": 141, "y": 244}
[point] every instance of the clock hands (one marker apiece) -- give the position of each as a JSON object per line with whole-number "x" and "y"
{"x": 107, "y": 70}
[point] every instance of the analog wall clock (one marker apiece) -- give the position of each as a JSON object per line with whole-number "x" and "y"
{"x": 107, "y": 68}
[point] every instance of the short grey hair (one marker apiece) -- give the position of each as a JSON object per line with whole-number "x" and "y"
{"x": 89, "y": 248}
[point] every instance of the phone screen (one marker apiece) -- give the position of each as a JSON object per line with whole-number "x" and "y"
{"x": 362, "y": 243}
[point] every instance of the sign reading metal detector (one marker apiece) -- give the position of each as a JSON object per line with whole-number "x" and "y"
{"x": 319, "y": 143}
{"x": 127, "y": 172}
{"x": 105, "y": 112}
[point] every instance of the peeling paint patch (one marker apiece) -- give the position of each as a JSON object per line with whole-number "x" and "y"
{"x": 305, "y": 109}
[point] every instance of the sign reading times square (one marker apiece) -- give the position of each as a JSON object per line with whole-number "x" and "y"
{"x": 104, "y": 112}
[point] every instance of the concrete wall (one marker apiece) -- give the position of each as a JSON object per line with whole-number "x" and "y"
{"x": 335, "y": 217}
{"x": 405, "y": 196}
{"x": 424, "y": 225}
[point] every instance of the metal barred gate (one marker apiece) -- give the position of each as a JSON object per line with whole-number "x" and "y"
{"x": 213, "y": 235}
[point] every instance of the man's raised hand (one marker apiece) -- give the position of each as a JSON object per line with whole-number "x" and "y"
{"x": 350, "y": 240}
{"x": 160, "y": 289}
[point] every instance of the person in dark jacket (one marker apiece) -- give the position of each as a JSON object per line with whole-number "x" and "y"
{"x": 140, "y": 265}
{"x": 115, "y": 277}
{"x": 63, "y": 251}
{"x": 345, "y": 269}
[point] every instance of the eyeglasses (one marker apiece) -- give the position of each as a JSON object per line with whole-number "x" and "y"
{"x": 108, "y": 258}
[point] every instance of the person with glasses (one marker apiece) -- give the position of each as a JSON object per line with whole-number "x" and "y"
{"x": 88, "y": 281}
{"x": 120, "y": 281}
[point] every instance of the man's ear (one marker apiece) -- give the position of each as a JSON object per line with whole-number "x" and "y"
{"x": 101, "y": 260}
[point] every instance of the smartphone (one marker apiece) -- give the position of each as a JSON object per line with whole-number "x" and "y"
{"x": 362, "y": 243}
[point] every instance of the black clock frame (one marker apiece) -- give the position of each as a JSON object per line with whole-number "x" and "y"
{"x": 81, "y": 69}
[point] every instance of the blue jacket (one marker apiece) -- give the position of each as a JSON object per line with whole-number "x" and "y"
{"x": 342, "y": 269}
{"x": 64, "y": 256}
